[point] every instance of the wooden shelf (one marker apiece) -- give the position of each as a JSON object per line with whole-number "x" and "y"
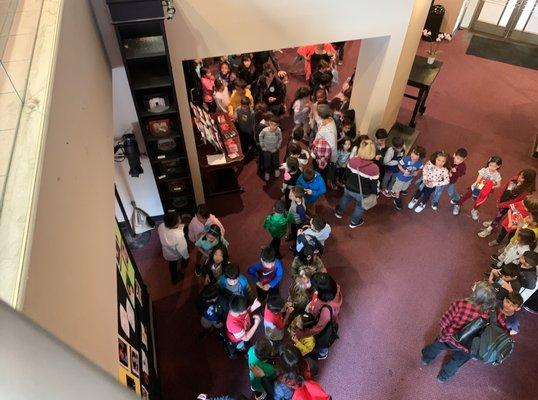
{"x": 144, "y": 82}
{"x": 151, "y": 138}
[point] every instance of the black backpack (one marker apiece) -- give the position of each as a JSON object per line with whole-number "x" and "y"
{"x": 494, "y": 344}
{"x": 329, "y": 334}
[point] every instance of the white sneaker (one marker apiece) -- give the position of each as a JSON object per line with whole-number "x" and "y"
{"x": 454, "y": 202}
{"x": 474, "y": 214}
{"x": 456, "y": 210}
{"x": 420, "y": 207}
{"x": 266, "y": 176}
{"x": 485, "y": 232}
{"x": 386, "y": 193}
{"x": 486, "y": 223}
{"x": 412, "y": 203}
{"x": 277, "y": 173}
{"x": 434, "y": 206}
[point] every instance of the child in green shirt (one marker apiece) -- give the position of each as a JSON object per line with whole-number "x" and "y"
{"x": 276, "y": 224}
{"x": 260, "y": 355}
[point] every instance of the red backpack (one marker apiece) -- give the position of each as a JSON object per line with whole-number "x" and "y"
{"x": 311, "y": 390}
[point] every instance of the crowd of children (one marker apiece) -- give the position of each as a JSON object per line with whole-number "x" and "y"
{"x": 325, "y": 152}
{"x": 299, "y": 324}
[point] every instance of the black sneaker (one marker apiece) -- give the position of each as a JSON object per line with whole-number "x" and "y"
{"x": 404, "y": 192}
{"x": 353, "y": 226}
{"x": 397, "y": 204}
{"x": 442, "y": 379}
{"x": 494, "y": 258}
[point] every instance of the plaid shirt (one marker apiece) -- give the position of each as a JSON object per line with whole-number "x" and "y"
{"x": 321, "y": 152}
{"x": 459, "y": 314}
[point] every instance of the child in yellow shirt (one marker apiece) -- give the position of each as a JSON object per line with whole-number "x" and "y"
{"x": 303, "y": 321}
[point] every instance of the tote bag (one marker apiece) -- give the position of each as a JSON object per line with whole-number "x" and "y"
{"x": 369, "y": 201}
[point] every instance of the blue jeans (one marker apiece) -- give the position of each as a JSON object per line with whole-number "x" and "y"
{"x": 451, "y": 189}
{"x": 346, "y": 198}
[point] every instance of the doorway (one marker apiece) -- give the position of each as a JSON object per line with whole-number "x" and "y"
{"x": 515, "y": 20}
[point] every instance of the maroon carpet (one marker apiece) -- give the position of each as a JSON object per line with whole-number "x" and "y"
{"x": 398, "y": 272}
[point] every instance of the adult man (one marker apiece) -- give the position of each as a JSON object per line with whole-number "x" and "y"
{"x": 458, "y": 315}
{"x": 174, "y": 245}
{"x": 327, "y": 131}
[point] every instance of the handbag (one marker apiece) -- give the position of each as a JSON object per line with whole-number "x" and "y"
{"x": 466, "y": 334}
{"x": 369, "y": 201}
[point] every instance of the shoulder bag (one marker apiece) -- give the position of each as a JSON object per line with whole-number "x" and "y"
{"x": 369, "y": 201}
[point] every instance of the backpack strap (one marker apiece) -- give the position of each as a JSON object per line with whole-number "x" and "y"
{"x": 330, "y": 311}
{"x": 493, "y": 316}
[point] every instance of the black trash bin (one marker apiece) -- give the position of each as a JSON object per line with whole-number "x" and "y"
{"x": 434, "y": 21}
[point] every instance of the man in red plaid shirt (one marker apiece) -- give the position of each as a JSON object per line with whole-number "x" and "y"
{"x": 459, "y": 314}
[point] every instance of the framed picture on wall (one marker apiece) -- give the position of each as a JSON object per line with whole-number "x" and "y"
{"x": 138, "y": 291}
{"x": 135, "y": 362}
{"x": 145, "y": 394}
{"x": 123, "y": 352}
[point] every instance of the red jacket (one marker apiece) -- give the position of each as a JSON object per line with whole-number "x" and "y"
{"x": 519, "y": 211}
{"x": 520, "y": 197}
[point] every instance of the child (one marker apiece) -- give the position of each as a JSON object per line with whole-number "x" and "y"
{"x": 266, "y": 274}
{"x": 513, "y": 191}
{"x": 291, "y": 174}
{"x": 344, "y": 153}
{"x": 239, "y": 325}
{"x": 299, "y": 150}
{"x": 239, "y": 92}
{"x": 322, "y": 77}
{"x": 511, "y": 305}
{"x": 210, "y": 239}
{"x": 345, "y": 131}
{"x": 233, "y": 283}
{"x": 224, "y": 75}
{"x": 321, "y": 153}
{"x": 307, "y": 263}
{"x": 208, "y": 86}
{"x": 408, "y": 167}
{"x": 487, "y": 180}
{"x": 275, "y": 318}
{"x": 260, "y": 356}
{"x": 381, "y": 136}
{"x": 314, "y": 187}
{"x": 519, "y": 214}
{"x": 391, "y": 160}
{"x": 211, "y": 309}
{"x": 297, "y": 210}
{"x": 300, "y": 293}
{"x": 221, "y": 96}
{"x": 270, "y": 141}
{"x": 301, "y": 109}
{"x": 434, "y": 174}
{"x": 456, "y": 169}
{"x": 524, "y": 241}
{"x": 319, "y": 228}
{"x": 305, "y": 344}
{"x": 276, "y": 224}
{"x": 244, "y": 121}
{"x": 213, "y": 268}
{"x": 247, "y": 71}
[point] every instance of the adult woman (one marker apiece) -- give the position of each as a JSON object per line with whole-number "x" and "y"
{"x": 271, "y": 91}
{"x": 326, "y": 302}
{"x": 213, "y": 268}
{"x": 313, "y": 54}
{"x": 362, "y": 176}
{"x": 513, "y": 191}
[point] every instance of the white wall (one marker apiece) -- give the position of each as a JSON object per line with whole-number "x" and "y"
{"x": 469, "y": 13}
{"x": 71, "y": 282}
{"x": 199, "y": 29}
{"x": 142, "y": 190}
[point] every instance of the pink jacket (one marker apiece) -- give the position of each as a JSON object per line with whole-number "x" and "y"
{"x": 196, "y": 228}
